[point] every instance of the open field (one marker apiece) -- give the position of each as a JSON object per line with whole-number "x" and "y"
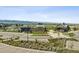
{"x": 22, "y": 36}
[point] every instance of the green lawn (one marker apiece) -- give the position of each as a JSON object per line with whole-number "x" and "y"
{"x": 39, "y": 33}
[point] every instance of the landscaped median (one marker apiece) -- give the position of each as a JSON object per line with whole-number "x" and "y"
{"x": 69, "y": 34}
{"x": 30, "y": 44}
{"x": 54, "y": 45}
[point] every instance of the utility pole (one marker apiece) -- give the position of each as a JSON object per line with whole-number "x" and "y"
{"x": 27, "y": 36}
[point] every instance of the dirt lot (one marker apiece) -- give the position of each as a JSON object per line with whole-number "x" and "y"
{"x": 22, "y": 36}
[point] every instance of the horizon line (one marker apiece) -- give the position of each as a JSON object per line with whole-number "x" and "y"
{"x": 36, "y": 21}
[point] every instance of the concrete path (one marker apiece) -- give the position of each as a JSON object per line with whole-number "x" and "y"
{"x": 57, "y": 35}
{"x": 76, "y": 35}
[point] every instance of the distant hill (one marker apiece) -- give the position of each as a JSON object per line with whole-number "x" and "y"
{"x": 22, "y": 22}
{"x": 28, "y": 22}
{"x": 16, "y": 22}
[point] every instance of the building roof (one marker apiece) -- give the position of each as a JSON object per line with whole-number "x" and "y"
{"x": 40, "y": 26}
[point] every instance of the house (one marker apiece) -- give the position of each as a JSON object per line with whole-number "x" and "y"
{"x": 25, "y": 29}
{"x": 62, "y": 27}
{"x": 40, "y": 25}
{"x": 39, "y": 29}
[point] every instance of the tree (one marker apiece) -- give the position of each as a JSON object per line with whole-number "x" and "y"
{"x": 68, "y": 27}
{"x": 75, "y": 28}
{"x": 45, "y": 29}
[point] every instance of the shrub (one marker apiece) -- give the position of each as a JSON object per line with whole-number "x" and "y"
{"x": 71, "y": 34}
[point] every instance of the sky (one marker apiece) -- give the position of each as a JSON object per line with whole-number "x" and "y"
{"x": 57, "y": 14}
